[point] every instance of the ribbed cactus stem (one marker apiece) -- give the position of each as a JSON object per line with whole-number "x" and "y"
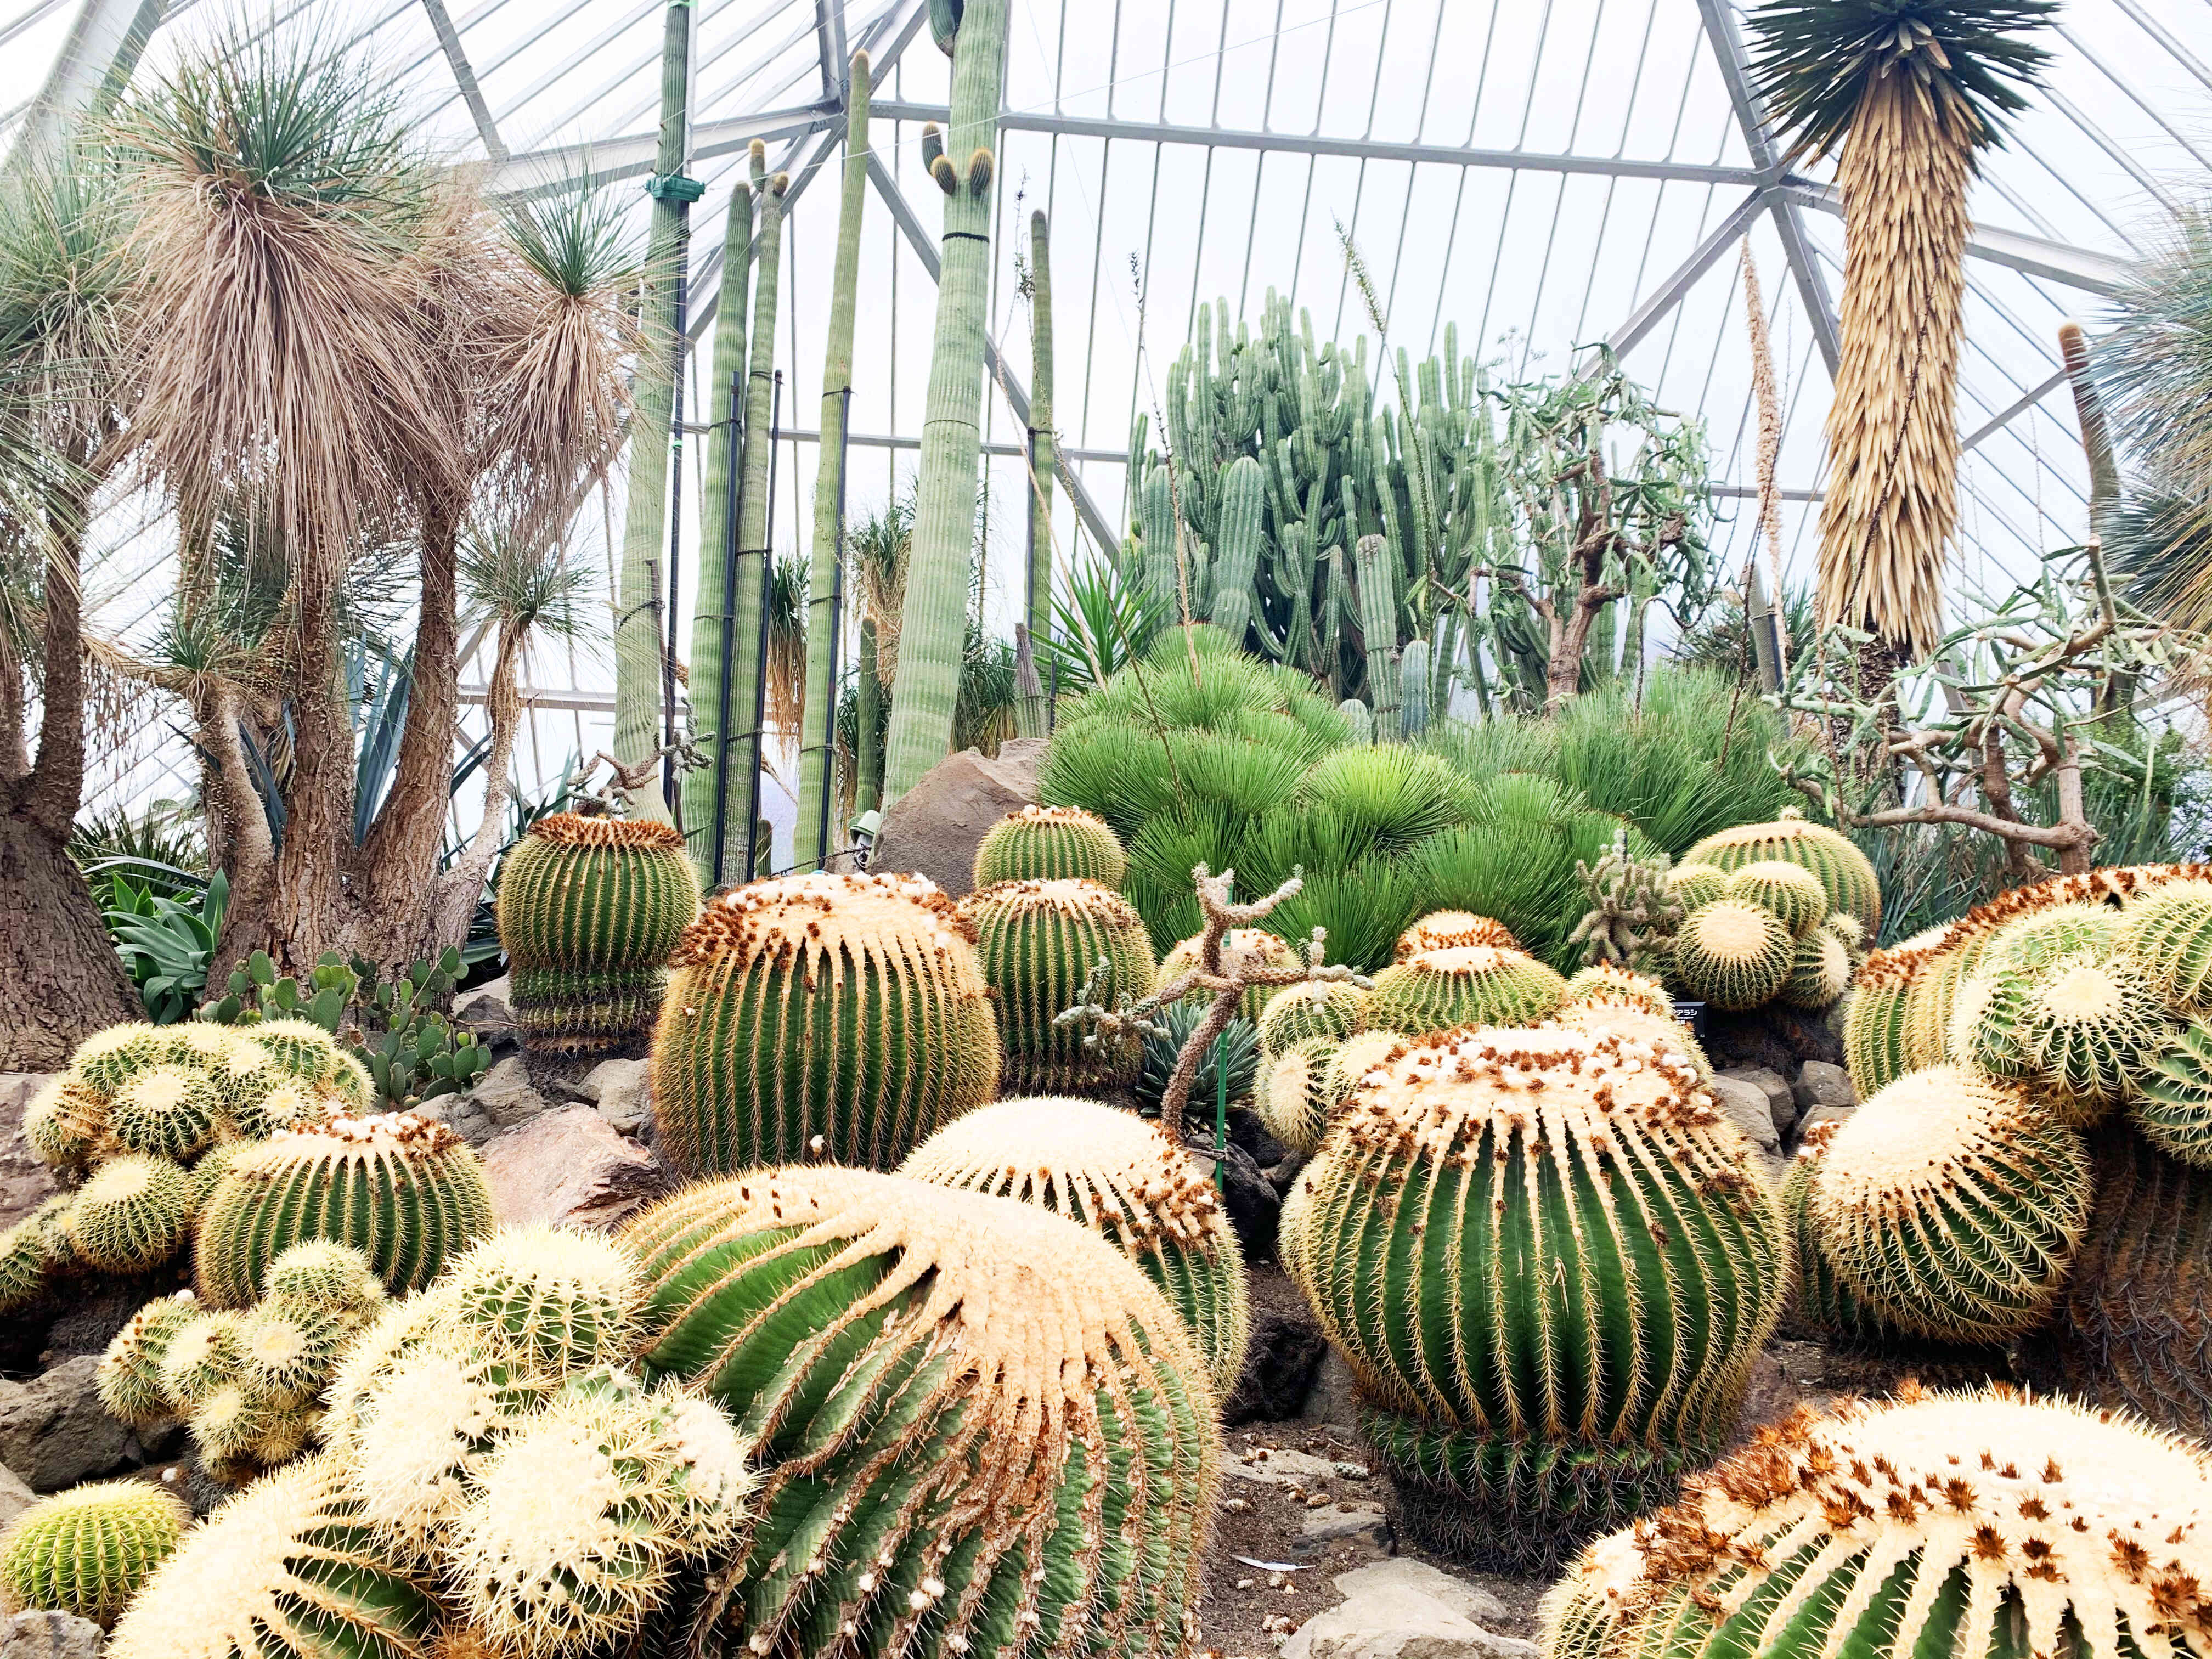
{"x": 1378, "y": 626}
{"x": 1039, "y": 943}
{"x": 87, "y": 1551}
{"x": 1236, "y": 548}
{"x": 1413, "y": 689}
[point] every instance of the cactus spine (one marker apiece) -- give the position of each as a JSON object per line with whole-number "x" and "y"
{"x": 1550, "y": 1264}
{"x": 1051, "y": 844}
{"x": 1129, "y": 1182}
{"x": 1448, "y": 930}
{"x": 1795, "y": 896}
{"x": 131, "y": 1215}
{"x": 1953, "y": 1205}
{"x": 1467, "y": 985}
{"x": 407, "y": 1193}
{"x": 1038, "y": 943}
{"x": 1842, "y": 870}
{"x": 87, "y": 1551}
{"x": 842, "y": 1317}
{"x": 590, "y": 909}
{"x": 837, "y": 1016}
{"x": 1732, "y": 954}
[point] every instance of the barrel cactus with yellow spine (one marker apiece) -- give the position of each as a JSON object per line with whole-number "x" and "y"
{"x": 2167, "y": 931}
{"x": 1823, "y": 1304}
{"x": 89, "y": 1550}
{"x": 1291, "y": 1093}
{"x": 1329, "y": 1008}
{"x": 2079, "y": 1031}
{"x": 1549, "y": 1263}
{"x": 1051, "y": 844}
{"x": 842, "y": 1017}
{"x": 1603, "y": 985}
{"x": 1982, "y": 1523}
{"x": 1953, "y": 1205}
{"x": 1038, "y": 943}
{"x": 590, "y": 909}
{"x": 1126, "y": 1179}
{"x": 1448, "y": 930}
{"x": 1829, "y": 855}
{"x": 407, "y": 1193}
{"x": 902, "y": 1350}
{"x": 1732, "y": 954}
{"x": 1463, "y": 985}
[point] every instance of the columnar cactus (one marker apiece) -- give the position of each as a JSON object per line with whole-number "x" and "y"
{"x": 1469, "y": 985}
{"x": 1792, "y": 839}
{"x": 1329, "y": 1008}
{"x": 1603, "y": 985}
{"x": 132, "y": 1214}
{"x": 1126, "y": 1179}
{"x": 406, "y": 1192}
{"x": 835, "y": 1016}
{"x": 1038, "y": 943}
{"x": 1953, "y": 1205}
{"x": 902, "y": 1348}
{"x": 288, "y": 1569}
{"x": 1733, "y": 954}
{"x": 1446, "y": 930}
{"x": 89, "y": 1550}
{"x": 1272, "y": 951}
{"x": 1982, "y": 1523}
{"x": 1550, "y": 1264}
{"x": 1051, "y": 844}
{"x": 590, "y": 909}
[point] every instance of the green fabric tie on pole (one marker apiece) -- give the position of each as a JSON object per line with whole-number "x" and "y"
{"x": 1220, "y": 1113}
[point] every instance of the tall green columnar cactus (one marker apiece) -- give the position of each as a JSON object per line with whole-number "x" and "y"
{"x": 408, "y": 1194}
{"x": 1236, "y": 551}
{"x": 821, "y": 1015}
{"x": 590, "y": 910}
{"x": 933, "y": 629}
{"x": 822, "y": 594}
{"x": 710, "y": 605}
{"x": 1413, "y": 689}
{"x": 1549, "y": 1263}
{"x": 1039, "y": 942}
{"x": 1045, "y": 442}
{"x": 1378, "y": 626}
{"x": 898, "y": 1349}
{"x": 1156, "y": 520}
{"x": 640, "y": 613}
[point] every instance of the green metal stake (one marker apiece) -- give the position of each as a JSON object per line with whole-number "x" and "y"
{"x": 1220, "y": 1113}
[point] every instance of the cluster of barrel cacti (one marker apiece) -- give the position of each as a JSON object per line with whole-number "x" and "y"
{"x": 590, "y": 910}
{"x": 143, "y": 1124}
{"x": 1770, "y": 913}
{"x": 248, "y": 1383}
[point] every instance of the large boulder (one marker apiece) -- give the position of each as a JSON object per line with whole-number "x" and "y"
{"x": 16, "y": 1495}
{"x": 1284, "y": 1350}
{"x": 54, "y": 1433}
{"x": 568, "y": 1167}
{"x": 1406, "y": 1609}
{"x": 1781, "y": 1102}
{"x": 49, "y": 1635}
{"x": 25, "y": 1182}
{"x": 935, "y": 829}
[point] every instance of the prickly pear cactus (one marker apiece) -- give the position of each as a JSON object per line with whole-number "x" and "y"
{"x": 1633, "y": 911}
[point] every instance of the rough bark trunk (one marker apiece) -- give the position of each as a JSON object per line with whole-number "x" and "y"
{"x": 401, "y": 853}
{"x": 65, "y": 981}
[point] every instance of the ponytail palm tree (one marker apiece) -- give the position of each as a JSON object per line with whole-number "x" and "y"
{"x": 1910, "y": 92}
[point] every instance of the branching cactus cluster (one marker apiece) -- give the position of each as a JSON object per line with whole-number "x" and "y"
{"x": 142, "y": 1124}
{"x": 1039, "y": 943}
{"x": 832, "y": 1016}
{"x": 248, "y": 1385}
{"x": 1633, "y": 910}
{"x": 1549, "y": 1263}
{"x": 590, "y": 910}
{"x": 901, "y": 1350}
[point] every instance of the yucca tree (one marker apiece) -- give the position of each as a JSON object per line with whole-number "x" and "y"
{"x": 63, "y": 397}
{"x": 343, "y": 347}
{"x": 1910, "y": 92}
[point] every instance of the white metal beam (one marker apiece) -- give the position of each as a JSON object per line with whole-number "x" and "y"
{"x": 94, "y": 64}
{"x": 567, "y": 165}
{"x": 464, "y": 78}
{"x": 1668, "y": 294}
{"x": 2013, "y": 411}
{"x": 2059, "y": 262}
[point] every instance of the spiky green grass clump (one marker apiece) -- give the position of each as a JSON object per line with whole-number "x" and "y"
{"x": 1953, "y": 1205}
{"x": 1051, "y": 844}
{"x": 89, "y": 1550}
{"x": 1126, "y": 1179}
{"x": 1471, "y": 985}
{"x": 1733, "y": 955}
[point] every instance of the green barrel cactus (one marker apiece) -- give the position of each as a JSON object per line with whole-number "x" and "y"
{"x": 1693, "y": 886}
{"x": 590, "y": 910}
{"x": 89, "y": 1549}
{"x": 1451, "y": 930}
{"x": 584, "y": 1512}
{"x": 1245, "y": 941}
{"x": 287, "y": 1569}
{"x": 544, "y": 1301}
{"x": 1824, "y": 1305}
{"x": 23, "y": 1267}
{"x": 132, "y": 1214}
{"x": 1329, "y": 1008}
{"x": 2039, "y": 939}
{"x": 1464, "y": 985}
{"x": 299, "y": 1049}
{"x": 1038, "y": 943}
{"x": 407, "y": 1193}
{"x": 1126, "y": 1179}
{"x": 1878, "y": 1046}
{"x": 1355, "y": 1058}
{"x": 63, "y": 1121}
{"x": 1549, "y": 1263}
{"x": 1603, "y": 985}
{"x": 1820, "y": 971}
{"x": 2167, "y": 933}
{"x": 166, "y": 1112}
{"x": 897, "y": 1349}
{"x": 1733, "y": 955}
{"x": 1953, "y": 1205}
{"x": 1793, "y": 894}
{"x": 2172, "y": 1107}
{"x": 821, "y": 1017}
{"x": 107, "y": 1060}
{"x": 1980, "y": 1522}
{"x": 128, "y": 1379}
{"x": 1631, "y": 1024}
{"x": 1291, "y": 1093}
{"x": 1051, "y": 844}
{"x": 201, "y": 1356}
{"x": 1842, "y": 870}
{"x": 2078, "y": 1031}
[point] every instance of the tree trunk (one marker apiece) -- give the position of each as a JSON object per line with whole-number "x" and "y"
{"x": 64, "y": 980}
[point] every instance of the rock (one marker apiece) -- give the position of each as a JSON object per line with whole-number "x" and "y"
{"x": 1331, "y": 1399}
{"x": 1280, "y": 1360}
{"x": 1279, "y": 1465}
{"x": 1747, "y": 1106}
{"x": 1246, "y": 1131}
{"x": 51, "y": 1636}
{"x": 462, "y": 1115}
{"x": 1819, "y": 1083}
{"x": 1281, "y": 1175}
{"x": 1829, "y": 1114}
{"x": 489, "y": 1012}
{"x": 1777, "y": 1037}
{"x": 25, "y": 1181}
{"x": 569, "y": 1166}
{"x": 1253, "y": 1204}
{"x": 622, "y": 1090}
{"x": 53, "y": 1432}
{"x": 94, "y": 1310}
{"x": 506, "y": 1095}
{"x": 1405, "y": 1609}
{"x": 16, "y": 1496}
{"x": 1781, "y": 1104}
{"x": 1333, "y": 1524}
{"x": 936, "y": 826}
